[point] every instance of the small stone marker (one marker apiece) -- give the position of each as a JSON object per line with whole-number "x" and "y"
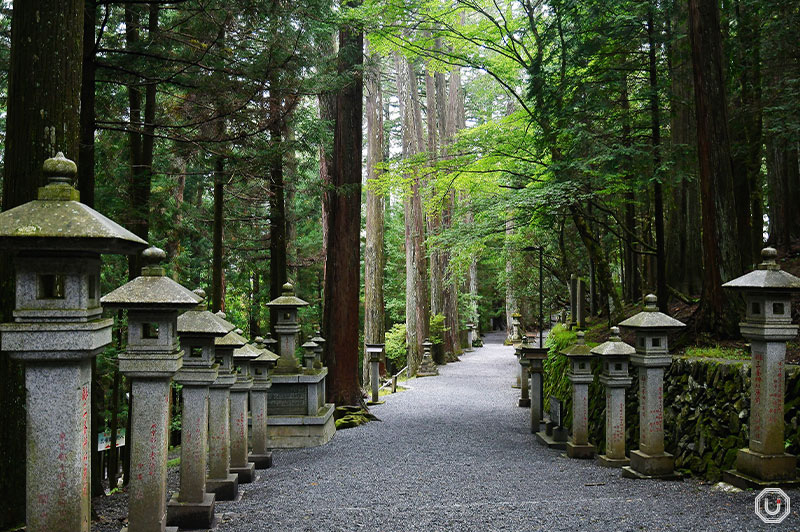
{"x": 524, "y": 399}
{"x": 221, "y": 482}
{"x": 615, "y": 355}
{"x": 261, "y": 367}
{"x": 573, "y": 301}
{"x": 374, "y": 352}
{"x": 768, "y": 325}
{"x": 470, "y": 336}
{"x": 192, "y": 507}
{"x": 580, "y": 358}
{"x": 152, "y": 358}
{"x": 56, "y": 242}
{"x": 652, "y": 356}
{"x": 554, "y": 434}
{"x": 427, "y": 368}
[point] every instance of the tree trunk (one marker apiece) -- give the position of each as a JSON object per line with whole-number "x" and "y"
{"x": 721, "y": 253}
{"x": 416, "y": 297}
{"x": 512, "y": 307}
{"x": 658, "y": 194}
{"x": 140, "y": 134}
{"x": 291, "y": 180}
{"x": 217, "y": 281}
{"x": 327, "y": 115}
{"x": 684, "y": 253}
{"x": 342, "y": 286}
{"x": 596, "y": 255}
{"x": 46, "y": 52}
{"x": 87, "y": 118}
{"x": 374, "y": 260}
{"x": 277, "y": 203}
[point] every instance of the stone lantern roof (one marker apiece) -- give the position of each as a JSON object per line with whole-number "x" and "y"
{"x": 201, "y": 322}
{"x": 152, "y": 289}
{"x": 767, "y": 276}
{"x": 614, "y": 347}
{"x": 246, "y": 352}
{"x": 57, "y": 220}
{"x": 287, "y": 298}
{"x": 651, "y": 318}
{"x": 269, "y": 342}
{"x": 579, "y": 348}
{"x": 232, "y": 339}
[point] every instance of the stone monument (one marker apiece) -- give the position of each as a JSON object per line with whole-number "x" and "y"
{"x": 428, "y": 367}
{"x": 768, "y": 325}
{"x": 615, "y": 356}
{"x": 470, "y": 336}
{"x": 652, "y": 356}
{"x": 221, "y": 481}
{"x": 374, "y": 352}
{"x": 56, "y": 243}
{"x": 152, "y": 358}
{"x": 524, "y": 399}
{"x": 573, "y": 301}
{"x": 261, "y": 367}
{"x": 309, "y": 354}
{"x": 298, "y": 413}
{"x": 320, "y": 341}
{"x": 192, "y": 507}
{"x": 580, "y": 362}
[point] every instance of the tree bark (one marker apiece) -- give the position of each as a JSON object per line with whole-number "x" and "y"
{"x": 342, "y": 286}
{"x": 87, "y": 118}
{"x": 277, "y": 203}
{"x": 658, "y": 194}
{"x": 374, "y": 259}
{"x": 217, "y": 270}
{"x": 721, "y": 253}
{"x": 416, "y": 297}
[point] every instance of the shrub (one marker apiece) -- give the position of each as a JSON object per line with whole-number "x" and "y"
{"x": 396, "y": 346}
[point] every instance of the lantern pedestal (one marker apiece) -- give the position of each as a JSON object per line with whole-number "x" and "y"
{"x": 261, "y": 457}
{"x": 221, "y": 482}
{"x": 238, "y": 426}
{"x": 298, "y": 414}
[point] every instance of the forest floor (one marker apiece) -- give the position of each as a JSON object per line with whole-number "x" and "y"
{"x": 455, "y": 453}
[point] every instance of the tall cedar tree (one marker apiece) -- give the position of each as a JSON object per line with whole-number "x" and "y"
{"x": 722, "y": 254}
{"x": 342, "y": 279}
{"x": 47, "y": 53}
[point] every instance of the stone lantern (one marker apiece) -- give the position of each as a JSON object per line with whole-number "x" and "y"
{"x": 515, "y": 336}
{"x": 652, "y": 356}
{"x": 427, "y": 368}
{"x": 192, "y": 507}
{"x": 56, "y": 243}
{"x": 287, "y": 327}
{"x": 768, "y": 325}
{"x": 299, "y": 415}
{"x": 320, "y": 341}
{"x": 221, "y": 482}
{"x": 261, "y": 368}
{"x": 240, "y": 392}
{"x": 535, "y": 355}
{"x": 524, "y": 399}
{"x": 152, "y": 358}
{"x": 470, "y": 336}
{"x": 374, "y": 352}
{"x": 615, "y": 356}
{"x": 580, "y": 374}
{"x": 309, "y": 354}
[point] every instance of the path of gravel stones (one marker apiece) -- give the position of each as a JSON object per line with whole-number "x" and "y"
{"x": 455, "y": 453}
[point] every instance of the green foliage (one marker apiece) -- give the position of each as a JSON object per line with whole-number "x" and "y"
{"x": 731, "y": 353}
{"x": 436, "y": 329}
{"x": 396, "y": 349}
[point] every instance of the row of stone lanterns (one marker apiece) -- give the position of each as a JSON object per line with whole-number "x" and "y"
{"x": 767, "y": 293}
{"x": 56, "y": 243}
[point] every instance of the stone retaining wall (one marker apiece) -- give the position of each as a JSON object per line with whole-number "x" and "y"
{"x": 706, "y": 407}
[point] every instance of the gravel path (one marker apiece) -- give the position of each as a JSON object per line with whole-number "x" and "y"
{"x": 455, "y": 453}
